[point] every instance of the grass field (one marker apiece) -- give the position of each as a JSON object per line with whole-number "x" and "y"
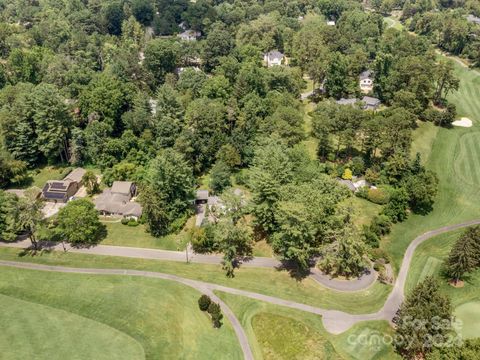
{"x": 428, "y": 261}
{"x": 453, "y": 156}
{"x": 136, "y": 236}
{"x": 264, "y": 281}
{"x": 108, "y": 317}
{"x": 35, "y": 331}
{"x": 277, "y": 332}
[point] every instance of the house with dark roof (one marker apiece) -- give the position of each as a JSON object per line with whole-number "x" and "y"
{"x": 117, "y": 200}
{"x": 366, "y": 103}
{"x": 63, "y": 190}
{"x": 273, "y": 58}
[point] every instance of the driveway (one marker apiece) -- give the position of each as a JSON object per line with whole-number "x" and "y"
{"x": 50, "y": 208}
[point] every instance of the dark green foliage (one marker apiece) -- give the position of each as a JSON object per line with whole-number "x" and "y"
{"x": 8, "y": 216}
{"x": 426, "y": 314}
{"x": 469, "y": 350}
{"x": 113, "y": 16}
{"x": 216, "y": 314}
{"x": 220, "y": 177}
{"x": 464, "y": 257}
{"x": 396, "y": 209}
{"x": 204, "y": 302}
{"x": 89, "y": 180}
{"x": 143, "y": 11}
{"x": 161, "y": 57}
{"x": 78, "y": 224}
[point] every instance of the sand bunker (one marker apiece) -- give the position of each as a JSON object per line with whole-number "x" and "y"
{"x": 463, "y": 122}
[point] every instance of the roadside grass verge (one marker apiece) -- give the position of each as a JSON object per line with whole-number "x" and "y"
{"x": 270, "y": 282}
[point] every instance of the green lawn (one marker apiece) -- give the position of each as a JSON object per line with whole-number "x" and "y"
{"x": 264, "y": 281}
{"x": 454, "y": 157}
{"x": 136, "y": 236}
{"x": 428, "y": 261}
{"x": 106, "y": 317}
{"x": 277, "y": 332}
{"x": 363, "y": 211}
{"x": 41, "y": 175}
{"x": 35, "y": 331}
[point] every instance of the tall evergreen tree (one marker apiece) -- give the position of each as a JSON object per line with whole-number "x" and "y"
{"x": 465, "y": 254}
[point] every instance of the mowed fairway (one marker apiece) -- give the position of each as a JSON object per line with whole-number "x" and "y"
{"x": 276, "y": 332}
{"x": 34, "y": 331}
{"x": 465, "y": 300}
{"x": 455, "y": 156}
{"x": 72, "y": 316}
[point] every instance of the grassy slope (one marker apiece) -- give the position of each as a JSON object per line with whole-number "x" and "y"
{"x": 428, "y": 260}
{"x": 34, "y": 331}
{"x": 276, "y": 332}
{"x": 162, "y": 316}
{"x": 264, "y": 281}
{"x": 136, "y": 236}
{"x": 456, "y": 200}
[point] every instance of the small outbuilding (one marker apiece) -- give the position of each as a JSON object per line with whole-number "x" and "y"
{"x": 201, "y": 197}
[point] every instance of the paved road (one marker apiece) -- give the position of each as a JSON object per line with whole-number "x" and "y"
{"x": 334, "y": 321}
{"x": 202, "y": 287}
{"x": 361, "y": 283}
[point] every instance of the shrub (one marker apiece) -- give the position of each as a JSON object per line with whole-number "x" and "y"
{"x": 372, "y": 176}
{"x": 358, "y": 165}
{"x": 378, "y": 196}
{"x": 347, "y": 174}
{"x": 178, "y": 224}
{"x": 124, "y": 221}
{"x": 362, "y": 192}
{"x": 132, "y": 222}
{"x": 213, "y": 308}
{"x": 377, "y": 254}
{"x": 370, "y": 237}
{"x": 381, "y": 225}
{"x": 216, "y": 320}
{"x": 204, "y": 302}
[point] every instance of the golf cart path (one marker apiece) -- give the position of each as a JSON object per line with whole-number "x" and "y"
{"x": 334, "y": 321}
{"x": 360, "y": 283}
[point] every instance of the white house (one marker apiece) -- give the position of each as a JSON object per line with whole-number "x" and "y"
{"x": 366, "y": 81}
{"x": 331, "y": 23}
{"x": 190, "y": 35}
{"x": 273, "y": 58}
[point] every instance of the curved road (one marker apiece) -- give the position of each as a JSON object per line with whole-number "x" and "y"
{"x": 334, "y": 321}
{"x": 361, "y": 283}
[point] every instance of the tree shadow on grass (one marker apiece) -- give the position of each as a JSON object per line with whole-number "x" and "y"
{"x": 294, "y": 270}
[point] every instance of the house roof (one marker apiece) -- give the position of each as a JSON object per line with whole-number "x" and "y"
{"x": 57, "y": 189}
{"x": 75, "y": 175}
{"x": 347, "y": 183}
{"x": 189, "y": 34}
{"x": 122, "y": 187}
{"x": 115, "y": 203}
{"x": 202, "y": 195}
{"x": 371, "y": 101}
{"x": 473, "y": 19}
{"x": 274, "y": 55}
{"x": 367, "y": 74}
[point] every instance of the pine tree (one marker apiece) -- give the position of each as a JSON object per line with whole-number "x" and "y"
{"x": 418, "y": 319}
{"x": 465, "y": 254}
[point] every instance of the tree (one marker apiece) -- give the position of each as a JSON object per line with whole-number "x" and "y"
{"x": 204, "y": 302}
{"x": 396, "y": 209}
{"x": 422, "y": 190}
{"x": 234, "y": 241}
{"x": 464, "y": 256}
{"x": 113, "y": 17}
{"x": 220, "y": 177}
{"x": 8, "y": 216}
{"x": 78, "y": 224}
{"x": 465, "y": 350}
{"x": 168, "y": 190}
{"x": 445, "y": 79}
{"x": 216, "y": 314}
{"x": 143, "y": 11}
{"x": 89, "y": 180}
{"x": 161, "y": 57}
{"x": 51, "y": 121}
{"x": 346, "y": 255}
{"x": 219, "y": 42}
{"x": 30, "y": 217}
{"x": 423, "y": 320}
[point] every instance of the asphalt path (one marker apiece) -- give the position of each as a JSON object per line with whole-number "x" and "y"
{"x": 334, "y": 321}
